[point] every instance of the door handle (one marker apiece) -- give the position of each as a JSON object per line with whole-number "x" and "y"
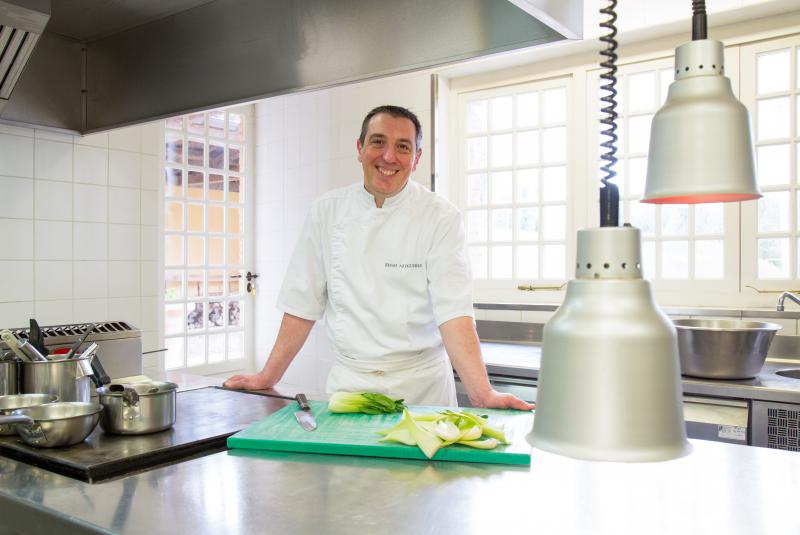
{"x": 251, "y": 281}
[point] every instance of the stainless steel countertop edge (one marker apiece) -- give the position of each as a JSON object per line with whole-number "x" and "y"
{"x": 672, "y": 311}
{"x": 768, "y": 386}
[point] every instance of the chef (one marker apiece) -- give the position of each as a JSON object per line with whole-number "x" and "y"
{"x": 384, "y": 261}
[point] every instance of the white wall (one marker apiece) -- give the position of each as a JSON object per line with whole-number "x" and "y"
{"x": 305, "y": 146}
{"x": 79, "y": 226}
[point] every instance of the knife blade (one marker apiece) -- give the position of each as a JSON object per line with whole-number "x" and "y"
{"x": 304, "y": 416}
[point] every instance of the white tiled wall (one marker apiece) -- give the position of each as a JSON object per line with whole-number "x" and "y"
{"x": 79, "y": 227}
{"x": 305, "y": 146}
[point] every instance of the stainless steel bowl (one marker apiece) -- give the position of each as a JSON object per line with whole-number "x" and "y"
{"x": 55, "y": 425}
{"x": 723, "y": 349}
{"x": 8, "y": 404}
{"x": 137, "y": 409}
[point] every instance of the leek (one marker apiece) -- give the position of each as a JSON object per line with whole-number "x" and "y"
{"x": 366, "y": 402}
{"x": 428, "y": 442}
{"x": 432, "y": 432}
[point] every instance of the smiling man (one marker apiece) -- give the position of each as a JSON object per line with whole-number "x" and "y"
{"x": 384, "y": 261}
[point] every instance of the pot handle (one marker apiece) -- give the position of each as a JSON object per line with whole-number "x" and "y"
{"x": 16, "y": 419}
{"x": 130, "y": 400}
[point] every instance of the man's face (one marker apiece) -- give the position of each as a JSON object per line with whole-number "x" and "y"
{"x": 389, "y": 155}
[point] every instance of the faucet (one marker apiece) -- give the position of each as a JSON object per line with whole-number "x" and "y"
{"x": 783, "y": 296}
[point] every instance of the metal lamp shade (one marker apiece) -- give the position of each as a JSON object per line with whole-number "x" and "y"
{"x": 701, "y": 148}
{"x": 609, "y": 385}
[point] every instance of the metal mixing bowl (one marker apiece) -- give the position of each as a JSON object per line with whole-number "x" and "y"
{"x": 9, "y": 404}
{"x": 723, "y": 349}
{"x": 55, "y": 425}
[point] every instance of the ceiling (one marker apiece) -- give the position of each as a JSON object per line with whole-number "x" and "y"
{"x": 89, "y": 20}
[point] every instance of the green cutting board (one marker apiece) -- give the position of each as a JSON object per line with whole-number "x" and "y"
{"x": 357, "y": 434}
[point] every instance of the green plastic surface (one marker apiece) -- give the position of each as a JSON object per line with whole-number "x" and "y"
{"x": 357, "y": 434}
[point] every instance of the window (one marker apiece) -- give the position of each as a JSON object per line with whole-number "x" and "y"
{"x": 513, "y": 161}
{"x": 681, "y": 243}
{"x": 524, "y": 169}
{"x": 207, "y": 190}
{"x": 771, "y": 91}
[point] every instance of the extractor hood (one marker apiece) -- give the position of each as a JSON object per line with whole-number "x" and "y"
{"x": 21, "y": 24}
{"x": 103, "y": 64}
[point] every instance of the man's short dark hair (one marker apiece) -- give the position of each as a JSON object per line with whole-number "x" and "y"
{"x": 394, "y": 111}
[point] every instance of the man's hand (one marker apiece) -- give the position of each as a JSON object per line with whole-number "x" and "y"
{"x": 500, "y": 400}
{"x": 255, "y": 381}
{"x": 464, "y": 349}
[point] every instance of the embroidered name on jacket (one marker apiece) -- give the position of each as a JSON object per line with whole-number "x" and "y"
{"x": 402, "y": 266}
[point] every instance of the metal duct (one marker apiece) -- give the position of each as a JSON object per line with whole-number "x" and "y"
{"x": 21, "y": 24}
{"x": 225, "y": 52}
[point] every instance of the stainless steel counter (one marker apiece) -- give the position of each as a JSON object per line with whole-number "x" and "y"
{"x": 718, "y": 488}
{"x": 523, "y": 360}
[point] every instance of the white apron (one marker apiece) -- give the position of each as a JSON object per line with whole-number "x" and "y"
{"x": 425, "y": 379}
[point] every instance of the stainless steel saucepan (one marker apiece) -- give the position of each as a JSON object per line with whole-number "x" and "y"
{"x": 137, "y": 409}
{"x": 9, "y": 404}
{"x": 55, "y": 425}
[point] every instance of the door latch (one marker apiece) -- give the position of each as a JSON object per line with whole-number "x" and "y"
{"x": 251, "y": 281}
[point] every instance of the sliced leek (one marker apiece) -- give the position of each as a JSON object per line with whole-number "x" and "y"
{"x": 431, "y": 432}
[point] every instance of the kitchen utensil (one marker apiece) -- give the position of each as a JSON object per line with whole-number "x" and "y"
{"x": 36, "y": 337}
{"x": 99, "y": 376}
{"x": 22, "y": 348}
{"x": 32, "y": 353}
{"x": 723, "y": 349}
{"x": 8, "y": 404}
{"x": 67, "y": 379}
{"x": 81, "y": 339}
{"x": 55, "y": 425}
{"x": 137, "y": 409}
{"x": 9, "y": 377}
{"x": 304, "y": 416}
{"x": 357, "y": 434}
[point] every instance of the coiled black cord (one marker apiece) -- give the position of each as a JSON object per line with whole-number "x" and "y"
{"x": 699, "y": 24}
{"x": 609, "y": 192}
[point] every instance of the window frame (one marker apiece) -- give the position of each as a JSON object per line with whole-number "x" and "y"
{"x": 763, "y": 290}
{"x": 506, "y": 289}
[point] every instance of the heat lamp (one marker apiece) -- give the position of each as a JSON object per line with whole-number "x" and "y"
{"x": 609, "y": 383}
{"x": 701, "y": 148}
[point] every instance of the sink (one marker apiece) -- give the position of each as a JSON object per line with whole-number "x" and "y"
{"x": 794, "y": 374}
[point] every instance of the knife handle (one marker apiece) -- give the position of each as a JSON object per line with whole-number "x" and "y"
{"x": 302, "y": 400}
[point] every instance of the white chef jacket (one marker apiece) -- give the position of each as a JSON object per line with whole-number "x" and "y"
{"x": 385, "y": 279}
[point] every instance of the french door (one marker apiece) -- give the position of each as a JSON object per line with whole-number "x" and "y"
{"x": 207, "y": 210}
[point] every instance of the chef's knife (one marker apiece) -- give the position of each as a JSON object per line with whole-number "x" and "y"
{"x": 304, "y": 416}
